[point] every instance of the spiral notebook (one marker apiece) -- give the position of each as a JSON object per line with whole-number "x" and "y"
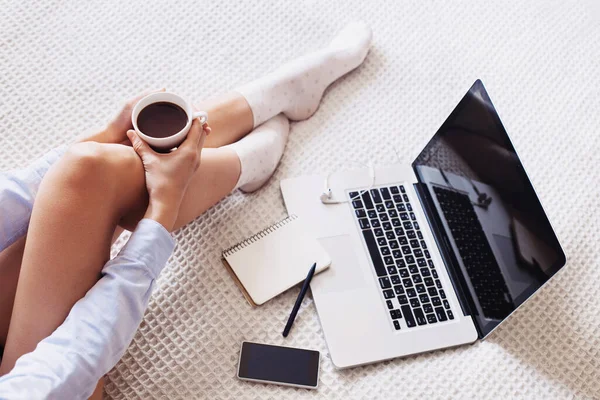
{"x": 274, "y": 260}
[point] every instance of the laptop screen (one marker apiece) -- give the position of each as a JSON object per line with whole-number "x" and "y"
{"x": 494, "y": 224}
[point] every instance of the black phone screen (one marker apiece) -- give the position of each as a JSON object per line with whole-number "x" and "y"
{"x": 279, "y": 364}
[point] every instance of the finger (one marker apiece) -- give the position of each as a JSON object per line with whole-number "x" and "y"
{"x": 140, "y": 147}
{"x": 203, "y": 134}
{"x": 207, "y": 130}
{"x": 193, "y": 137}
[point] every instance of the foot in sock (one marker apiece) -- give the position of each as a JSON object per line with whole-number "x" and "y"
{"x": 296, "y": 88}
{"x": 260, "y": 151}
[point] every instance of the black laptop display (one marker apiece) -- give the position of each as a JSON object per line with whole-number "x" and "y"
{"x": 489, "y": 223}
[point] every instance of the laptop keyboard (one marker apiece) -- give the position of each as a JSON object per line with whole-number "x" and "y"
{"x": 406, "y": 274}
{"x": 476, "y": 253}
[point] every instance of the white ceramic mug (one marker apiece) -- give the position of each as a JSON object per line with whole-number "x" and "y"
{"x": 169, "y": 142}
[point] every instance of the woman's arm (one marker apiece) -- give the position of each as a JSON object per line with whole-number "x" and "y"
{"x": 68, "y": 363}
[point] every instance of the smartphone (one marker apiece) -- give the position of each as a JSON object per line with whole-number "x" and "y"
{"x": 279, "y": 365}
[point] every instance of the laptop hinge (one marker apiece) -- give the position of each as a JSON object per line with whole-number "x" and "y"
{"x": 447, "y": 253}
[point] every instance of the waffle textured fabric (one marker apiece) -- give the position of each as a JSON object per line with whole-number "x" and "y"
{"x": 65, "y": 67}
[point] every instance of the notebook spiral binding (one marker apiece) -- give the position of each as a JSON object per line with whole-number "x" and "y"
{"x": 256, "y": 237}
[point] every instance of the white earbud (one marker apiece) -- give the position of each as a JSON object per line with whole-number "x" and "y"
{"x": 326, "y": 196}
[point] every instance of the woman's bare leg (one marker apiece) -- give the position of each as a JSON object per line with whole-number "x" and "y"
{"x": 79, "y": 205}
{"x": 230, "y": 118}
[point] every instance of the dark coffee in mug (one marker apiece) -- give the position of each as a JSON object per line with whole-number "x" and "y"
{"x": 162, "y": 119}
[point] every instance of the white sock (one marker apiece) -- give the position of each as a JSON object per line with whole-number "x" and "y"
{"x": 296, "y": 88}
{"x": 260, "y": 151}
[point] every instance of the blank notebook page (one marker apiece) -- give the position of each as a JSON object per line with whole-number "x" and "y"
{"x": 276, "y": 259}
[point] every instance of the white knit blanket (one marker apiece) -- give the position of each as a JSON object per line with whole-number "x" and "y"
{"x": 65, "y": 66}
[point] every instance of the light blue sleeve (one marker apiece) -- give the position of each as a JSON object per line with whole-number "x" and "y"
{"x": 100, "y": 326}
{"x": 17, "y": 192}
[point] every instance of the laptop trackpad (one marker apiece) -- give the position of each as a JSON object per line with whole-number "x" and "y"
{"x": 344, "y": 273}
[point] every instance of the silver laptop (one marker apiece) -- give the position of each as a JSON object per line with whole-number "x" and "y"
{"x": 430, "y": 255}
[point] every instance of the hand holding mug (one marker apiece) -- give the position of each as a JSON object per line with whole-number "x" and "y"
{"x": 168, "y": 174}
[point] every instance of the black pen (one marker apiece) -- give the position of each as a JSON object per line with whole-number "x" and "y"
{"x": 305, "y": 286}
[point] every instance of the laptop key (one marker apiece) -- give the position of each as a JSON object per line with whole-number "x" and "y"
{"x": 392, "y": 270}
{"x": 401, "y": 207}
{"x": 423, "y": 244}
{"x": 432, "y": 291}
{"x": 407, "y": 282}
{"x": 375, "y": 196}
{"x": 374, "y": 253}
{"x": 421, "y": 262}
{"x": 417, "y": 279}
{"x": 393, "y": 244}
{"x": 381, "y": 241}
{"x": 424, "y": 298}
{"x": 388, "y": 294}
{"x": 399, "y": 232}
{"x": 404, "y": 216}
{"x": 375, "y": 223}
{"x": 395, "y": 314}
{"x": 409, "y": 207}
{"x": 396, "y": 325}
{"x": 420, "y": 317}
{"x": 403, "y": 241}
{"x": 366, "y": 198}
{"x": 413, "y": 216}
{"x": 357, "y": 204}
{"x": 414, "y": 303}
{"x": 428, "y": 308}
{"x": 389, "y": 204}
{"x": 384, "y": 217}
{"x": 434, "y": 273}
{"x": 419, "y": 235}
{"x": 446, "y": 304}
{"x": 360, "y": 213}
{"x": 411, "y": 292}
{"x": 404, "y": 273}
{"x": 400, "y": 263}
{"x": 390, "y": 235}
{"x": 396, "y": 222}
{"x": 389, "y": 304}
{"x": 410, "y": 234}
{"x": 428, "y": 281}
{"x": 398, "y": 289}
{"x": 416, "y": 225}
{"x": 425, "y": 272}
{"x": 413, "y": 269}
{"x": 410, "y": 259}
{"x": 408, "y": 317}
{"x": 431, "y": 318}
{"x": 441, "y": 314}
{"x": 378, "y": 232}
{"x": 402, "y": 299}
{"x": 406, "y": 250}
{"x": 405, "y": 197}
{"x": 397, "y": 198}
{"x": 436, "y": 301}
{"x": 402, "y": 189}
{"x": 388, "y": 260}
{"x": 438, "y": 283}
{"x": 408, "y": 225}
{"x": 385, "y": 283}
{"x": 414, "y": 243}
{"x": 442, "y": 293}
{"x": 392, "y": 213}
{"x": 364, "y": 223}
{"x": 418, "y": 253}
{"x": 427, "y": 254}
{"x": 394, "y": 190}
{"x": 353, "y": 194}
{"x": 387, "y": 226}
{"x": 385, "y": 193}
{"x": 380, "y": 208}
{"x": 420, "y": 288}
{"x": 397, "y": 254}
{"x": 450, "y": 315}
{"x": 385, "y": 251}
{"x": 395, "y": 279}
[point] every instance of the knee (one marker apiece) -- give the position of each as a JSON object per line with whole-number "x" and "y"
{"x": 97, "y": 167}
